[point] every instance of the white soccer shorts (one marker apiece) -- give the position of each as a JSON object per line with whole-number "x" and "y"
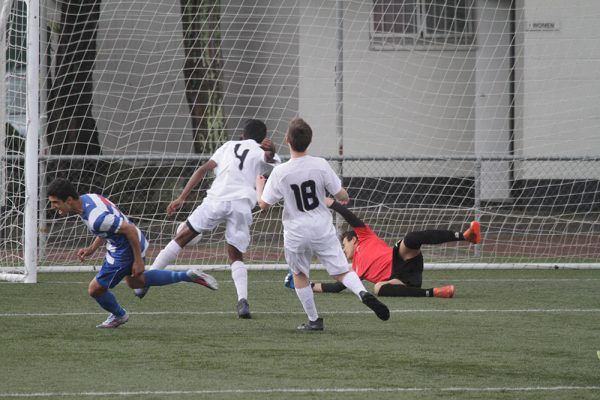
{"x": 328, "y": 250}
{"x": 236, "y": 214}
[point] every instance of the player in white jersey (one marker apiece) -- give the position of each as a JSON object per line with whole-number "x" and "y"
{"x": 303, "y": 183}
{"x": 230, "y": 200}
{"x": 125, "y": 244}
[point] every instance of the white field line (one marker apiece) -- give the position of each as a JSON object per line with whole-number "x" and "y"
{"x": 305, "y": 390}
{"x": 280, "y": 281}
{"x": 408, "y": 311}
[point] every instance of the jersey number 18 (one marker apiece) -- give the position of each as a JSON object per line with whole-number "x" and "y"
{"x": 306, "y": 195}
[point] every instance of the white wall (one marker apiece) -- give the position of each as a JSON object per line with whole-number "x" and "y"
{"x": 396, "y": 103}
{"x": 559, "y": 83}
{"x": 260, "y": 53}
{"x": 139, "y": 98}
{"x": 493, "y": 96}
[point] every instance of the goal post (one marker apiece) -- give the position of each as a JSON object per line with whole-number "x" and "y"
{"x": 434, "y": 113}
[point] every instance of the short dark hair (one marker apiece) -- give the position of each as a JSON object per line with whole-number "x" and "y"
{"x": 62, "y": 189}
{"x": 348, "y": 235}
{"x": 255, "y": 129}
{"x": 299, "y": 134}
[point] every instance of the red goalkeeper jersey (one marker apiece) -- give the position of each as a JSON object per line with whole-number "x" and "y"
{"x": 372, "y": 259}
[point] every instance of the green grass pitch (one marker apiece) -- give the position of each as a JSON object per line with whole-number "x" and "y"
{"x": 507, "y": 334}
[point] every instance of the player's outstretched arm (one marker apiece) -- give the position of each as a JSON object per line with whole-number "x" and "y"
{"x": 260, "y": 188}
{"x": 348, "y": 215}
{"x": 192, "y": 183}
{"x": 329, "y": 287}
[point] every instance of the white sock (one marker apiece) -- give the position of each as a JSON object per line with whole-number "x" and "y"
{"x": 166, "y": 256}
{"x": 307, "y": 299}
{"x": 239, "y": 273}
{"x": 353, "y": 282}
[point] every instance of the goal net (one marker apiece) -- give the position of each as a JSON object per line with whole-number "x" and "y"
{"x": 433, "y": 112}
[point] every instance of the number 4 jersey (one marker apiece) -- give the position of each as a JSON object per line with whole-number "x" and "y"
{"x": 303, "y": 184}
{"x": 239, "y": 162}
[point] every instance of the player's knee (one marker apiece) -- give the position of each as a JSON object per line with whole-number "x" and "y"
{"x": 137, "y": 282}
{"x": 95, "y": 290}
{"x": 411, "y": 240}
{"x": 377, "y": 288}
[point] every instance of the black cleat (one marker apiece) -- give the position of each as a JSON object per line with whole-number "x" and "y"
{"x": 374, "y": 304}
{"x": 243, "y": 309}
{"x": 311, "y": 326}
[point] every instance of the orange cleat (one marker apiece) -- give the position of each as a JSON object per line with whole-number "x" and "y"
{"x": 444, "y": 291}
{"x": 473, "y": 234}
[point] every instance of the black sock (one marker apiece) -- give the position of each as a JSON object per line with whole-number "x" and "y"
{"x": 390, "y": 290}
{"x": 414, "y": 240}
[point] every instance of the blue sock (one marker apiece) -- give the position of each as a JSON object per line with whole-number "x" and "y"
{"x": 109, "y": 302}
{"x": 160, "y": 277}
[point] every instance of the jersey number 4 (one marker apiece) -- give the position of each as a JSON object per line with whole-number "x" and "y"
{"x": 242, "y": 156}
{"x": 306, "y": 195}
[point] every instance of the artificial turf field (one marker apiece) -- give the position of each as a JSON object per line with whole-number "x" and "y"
{"x": 507, "y": 334}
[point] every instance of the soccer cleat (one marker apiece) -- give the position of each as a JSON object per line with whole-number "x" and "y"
{"x": 203, "y": 279}
{"x": 243, "y": 309}
{"x": 311, "y": 326}
{"x": 380, "y": 309}
{"x": 114, "y": 322}
{"x": 473, "y": 234}
{"x": 141, "y": 292}
{"x": 288, "y": 282}
{"x": 444, "y": 291}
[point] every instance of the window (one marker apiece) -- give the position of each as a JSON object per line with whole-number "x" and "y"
{"x": 422, "y": 23}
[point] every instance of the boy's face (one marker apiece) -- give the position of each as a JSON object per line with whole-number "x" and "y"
{"x": 349, "y": 246}
{"x": 64, "y": 208}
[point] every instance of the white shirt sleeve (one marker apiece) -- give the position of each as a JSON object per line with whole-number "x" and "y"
{"x": 218, "y": 154}
{"x": 333, "y": 184}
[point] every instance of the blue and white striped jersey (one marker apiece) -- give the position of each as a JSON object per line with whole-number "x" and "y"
{"x": 104, "y": 220}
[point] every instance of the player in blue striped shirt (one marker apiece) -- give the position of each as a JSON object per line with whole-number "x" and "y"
{"x": 125, "y": 249}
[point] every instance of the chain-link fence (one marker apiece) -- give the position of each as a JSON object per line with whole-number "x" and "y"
{"x": 540, "y": 219}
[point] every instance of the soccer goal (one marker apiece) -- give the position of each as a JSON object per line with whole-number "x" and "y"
{"x": 433, "y": 112}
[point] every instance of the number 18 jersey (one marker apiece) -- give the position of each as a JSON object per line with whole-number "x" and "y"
{"x": 303, "y": 184}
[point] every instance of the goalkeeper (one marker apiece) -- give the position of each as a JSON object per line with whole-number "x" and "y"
{"x": 396, "y": 272}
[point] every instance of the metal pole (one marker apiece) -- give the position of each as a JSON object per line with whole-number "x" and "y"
{"x": 4, "y": 7}
{"x": 477, "y": 200}
{"x": 339, "y": 81}
{"x": 43, "y": 102}
{"x": 339, "y": 94}
{"x": 32, "y": 142}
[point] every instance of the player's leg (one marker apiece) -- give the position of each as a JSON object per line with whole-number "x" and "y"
{"x": 108, "y": 277}
{"x": 396, "y": 288}
{"x": 237, "y": 236}
{"x": 159, "y": 277}
{"x": 299, "y": 263}
{"x": 203, "y": 218}
{"x": 414, "y": 240}
{"x": 332, "y": 257}
{"x": 407, "y": 278}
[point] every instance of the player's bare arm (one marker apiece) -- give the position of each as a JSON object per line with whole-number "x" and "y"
{"x": 260, "y": 187}
{"x": 90, "y": 250}
{"x": 342, "y": 197}
{"x": 130, "y": 232}
{"x": 192, "y": 183}
{"x": 269, "y": 147}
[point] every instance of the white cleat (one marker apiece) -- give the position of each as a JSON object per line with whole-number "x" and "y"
{"x": 203, "y": 279}
{"x": 141, "y": 292}
{"x": 114, "y": 322}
